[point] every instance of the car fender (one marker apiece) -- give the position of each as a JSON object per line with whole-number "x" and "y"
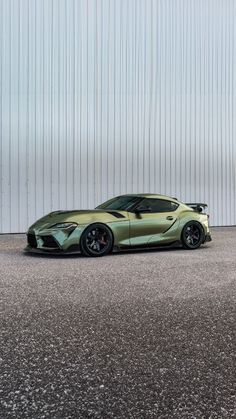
{"x": 192, "y": 216}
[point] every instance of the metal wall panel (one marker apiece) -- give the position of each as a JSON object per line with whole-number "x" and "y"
{"x": 99, "y": 98}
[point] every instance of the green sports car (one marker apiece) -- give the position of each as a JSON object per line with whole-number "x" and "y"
{"x": 124, "y": 222}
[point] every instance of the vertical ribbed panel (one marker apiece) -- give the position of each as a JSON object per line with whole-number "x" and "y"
{"x": 99, "y": 98}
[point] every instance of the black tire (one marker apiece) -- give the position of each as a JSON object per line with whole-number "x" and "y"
{"x": 97, "y": 240}
{"x": 192, "y": 235}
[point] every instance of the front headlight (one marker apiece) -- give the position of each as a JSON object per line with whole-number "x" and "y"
{"x": 65, "y": 225}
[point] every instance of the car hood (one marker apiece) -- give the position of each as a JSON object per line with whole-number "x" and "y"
{"x": 80, "y": 217}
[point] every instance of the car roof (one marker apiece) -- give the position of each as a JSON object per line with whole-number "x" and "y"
{"x": 151, "y": 195}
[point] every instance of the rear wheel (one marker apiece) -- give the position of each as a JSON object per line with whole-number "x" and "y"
{"x": 192, "y": 235}
{"x": 97, "y": 240}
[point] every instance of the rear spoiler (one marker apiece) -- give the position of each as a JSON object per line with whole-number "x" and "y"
{"x": 197, "y": 206}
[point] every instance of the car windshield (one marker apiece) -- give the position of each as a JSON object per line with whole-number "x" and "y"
{"x": 119, "y": 203}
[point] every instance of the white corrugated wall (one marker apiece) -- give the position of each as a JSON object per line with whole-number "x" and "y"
{"x": 99, "y": 98}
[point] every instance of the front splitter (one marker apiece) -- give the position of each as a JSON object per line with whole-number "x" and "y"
{"x": 51, "y": 252}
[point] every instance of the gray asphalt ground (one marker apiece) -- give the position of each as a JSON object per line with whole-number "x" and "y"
{"x": 135, "y": 335}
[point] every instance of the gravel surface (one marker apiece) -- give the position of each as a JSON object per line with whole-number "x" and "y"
{"x": 132, "y": 335}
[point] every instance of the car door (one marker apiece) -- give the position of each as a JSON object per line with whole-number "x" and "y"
{"x": 150, "y": 219}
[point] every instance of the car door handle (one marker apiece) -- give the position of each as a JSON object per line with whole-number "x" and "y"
{"x": 170, "y": 217}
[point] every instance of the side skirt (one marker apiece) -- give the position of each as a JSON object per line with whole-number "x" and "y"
{"x": 176, "y": 243}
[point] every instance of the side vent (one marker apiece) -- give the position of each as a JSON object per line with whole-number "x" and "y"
{"x": 116, "y": 214}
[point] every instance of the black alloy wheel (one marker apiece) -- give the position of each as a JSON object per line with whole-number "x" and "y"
{"x": 97, "y": 240}
{"x": 192, "y": 235}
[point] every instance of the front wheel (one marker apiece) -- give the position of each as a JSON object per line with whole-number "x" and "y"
{"x": 192, "y": 235}
{"x": 97, "y": 240}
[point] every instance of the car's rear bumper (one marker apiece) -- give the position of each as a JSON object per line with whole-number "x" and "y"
{"x": 208, "y": 238}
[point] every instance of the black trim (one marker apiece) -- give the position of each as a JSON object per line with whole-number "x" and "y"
{"x": 42, "y": 251}
{"x": 115, "y": 214}
{"x": 50, "y": 241}
{"x": 170, "y": 226}
{"x": 208, "y": 238}
{"x": 31, "y": 238}
{"x": 73, "y": 248}
{"x": 148, "y": 246}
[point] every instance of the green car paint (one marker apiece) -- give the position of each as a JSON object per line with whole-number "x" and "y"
{"x": 61, "y": 231}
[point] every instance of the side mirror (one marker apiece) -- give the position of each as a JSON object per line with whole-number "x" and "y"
{"x": 141, "y": 209}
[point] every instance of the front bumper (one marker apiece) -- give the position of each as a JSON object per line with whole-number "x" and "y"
{"x": 55, "y": 241}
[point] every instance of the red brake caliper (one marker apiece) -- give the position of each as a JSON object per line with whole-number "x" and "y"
{"x": 102, "y": 240}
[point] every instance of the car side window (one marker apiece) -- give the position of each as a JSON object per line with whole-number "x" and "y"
{"x": 159, "y": 205}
